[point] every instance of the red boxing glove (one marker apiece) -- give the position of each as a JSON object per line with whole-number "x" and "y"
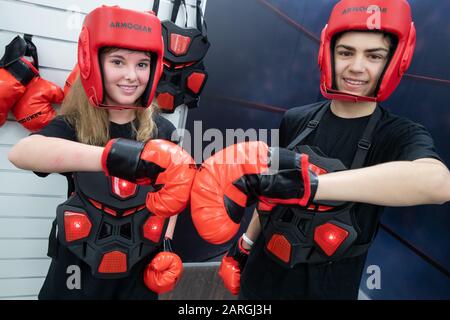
{"x": 34, "y": 110}
{"x": 71, "y": 79}
{"x": 237, "y": 176}
{"x": 159, "y": 162}
{"x": 232, "y": 265}
{"x": 163, "y": 272}
{"x": 16, "y": 72}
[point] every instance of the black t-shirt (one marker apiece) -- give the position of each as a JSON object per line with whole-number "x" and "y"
{"x": 394, "y": 139}
{"x": 56, "y": 283}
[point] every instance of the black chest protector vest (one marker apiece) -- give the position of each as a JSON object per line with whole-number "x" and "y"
{"x": 325, "y": 231}
{"x": 106, "y": 224}
{"x": 184, "y": 74}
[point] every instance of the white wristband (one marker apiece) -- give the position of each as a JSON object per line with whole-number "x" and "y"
{"x": 247, "y": 240}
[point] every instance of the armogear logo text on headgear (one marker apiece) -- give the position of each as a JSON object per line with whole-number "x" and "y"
{"x": 362, "y": 9}
{"x": 130, "y": 25}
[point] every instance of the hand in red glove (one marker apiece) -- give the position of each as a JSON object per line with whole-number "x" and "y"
{"x": 164, "y": 271}
{"x": 239, "y": 175}
{"x": 232, "y": 265}
{"x": 157, "y": 161}
{"x": 16, "y": 72}
{"x": 34, "y": 110}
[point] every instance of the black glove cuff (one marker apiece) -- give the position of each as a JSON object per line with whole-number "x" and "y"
{"x": 21, "y": 71}
{"x": 282, "y": 159}
{"x": 314, "y": 184}
{"x": 238, "y": 255}
{"x": 123, "y": 159}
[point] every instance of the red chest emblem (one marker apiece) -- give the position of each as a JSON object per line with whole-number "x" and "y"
{"x": 123, "y": 188}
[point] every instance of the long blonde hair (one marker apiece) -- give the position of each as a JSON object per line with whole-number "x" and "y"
{"x": 92, "y": 124}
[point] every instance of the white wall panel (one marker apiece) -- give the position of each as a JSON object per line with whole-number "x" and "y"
{"x": 33, "y": 229}
{"x": 29, "y": 184}
{"x": 23, "y": 249}
{"x": 20, "y": 287}
{"x": 23, "y": 206}
{"x": 14, "y": 269}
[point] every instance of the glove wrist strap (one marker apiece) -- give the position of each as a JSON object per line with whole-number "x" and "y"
{"x": 247, "y": 240}
{"x": 122, "y": 158}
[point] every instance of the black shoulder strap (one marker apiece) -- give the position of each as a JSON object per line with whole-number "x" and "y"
{"x": 365, "y": 142}
{"x": 311, "y": 126}
{"x": 200, "y": 16}
{"x": 201, "y": 23}
{"x": 175, "y": 9}
{"x": 155, "y": 6}
{"x": 53, "y": 243}
{"x": 186, "y": 13}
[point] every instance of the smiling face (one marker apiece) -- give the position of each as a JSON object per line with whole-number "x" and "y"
{"x": 359, "y": 60}
{"x": 125, "y": 76}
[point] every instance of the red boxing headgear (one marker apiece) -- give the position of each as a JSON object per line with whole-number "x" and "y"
{"x": 122, "y": 28}
{"x": 388, "y": 16}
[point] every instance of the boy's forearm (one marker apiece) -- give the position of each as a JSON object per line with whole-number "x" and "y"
{"x": 254, "y": 227}
{"x": 400, "y": 183}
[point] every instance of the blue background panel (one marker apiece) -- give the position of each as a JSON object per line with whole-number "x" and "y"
{"x": 263, "y": 60}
